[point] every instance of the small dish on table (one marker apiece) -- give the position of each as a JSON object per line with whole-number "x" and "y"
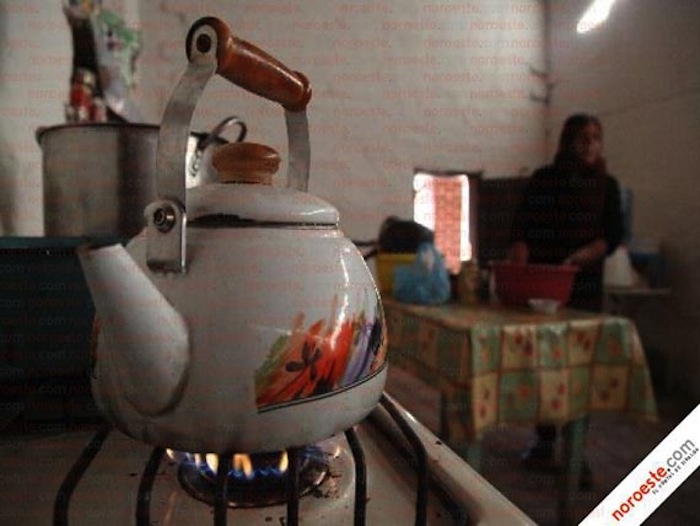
{"x": 544, "y": 305}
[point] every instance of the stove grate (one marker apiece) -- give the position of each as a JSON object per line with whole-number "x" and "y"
{"x": 221, "y": 499}
{"x": 419, "y": 457}
{"x": 143, "y": 502}
{"x": 65, "y": 492}
{"x": 360, "y": 477}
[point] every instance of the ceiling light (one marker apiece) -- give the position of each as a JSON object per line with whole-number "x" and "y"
{"x": 594, "y": 16}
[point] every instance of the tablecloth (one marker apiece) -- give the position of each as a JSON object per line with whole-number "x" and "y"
{"x": 496, "y": 365}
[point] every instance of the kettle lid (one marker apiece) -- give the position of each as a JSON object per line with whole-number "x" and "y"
{"x": 258, "y": 203}
{"x": 246, "y": 194}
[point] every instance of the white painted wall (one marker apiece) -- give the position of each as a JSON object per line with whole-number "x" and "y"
{"x": 641, "y": 73}
{"x": 35, "y": 66}
{"x": 397, "y": 84}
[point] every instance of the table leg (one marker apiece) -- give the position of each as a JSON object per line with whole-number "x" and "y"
{"x": 574, "y": 435}
{"x": 469, "y": 451}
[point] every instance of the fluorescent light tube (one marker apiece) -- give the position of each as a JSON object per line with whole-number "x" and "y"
{"x": 594, "y": 16}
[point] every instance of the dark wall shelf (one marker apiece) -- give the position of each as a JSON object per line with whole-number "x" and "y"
{"x": 498, "y": 201}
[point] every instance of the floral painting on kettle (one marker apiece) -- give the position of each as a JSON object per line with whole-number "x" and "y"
{"x": 324, "y": 356}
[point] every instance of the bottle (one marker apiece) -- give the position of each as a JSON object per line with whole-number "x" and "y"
{"x": 82, "y": 88}
{"x": 468, "y": 283}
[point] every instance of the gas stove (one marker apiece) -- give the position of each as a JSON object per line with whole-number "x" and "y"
{"x": 389, "y": 469}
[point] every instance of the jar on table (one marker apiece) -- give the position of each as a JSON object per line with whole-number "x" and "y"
{"x": 468, "y": 283}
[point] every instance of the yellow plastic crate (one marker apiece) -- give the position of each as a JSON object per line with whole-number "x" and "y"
{"x": 386, "y": 263}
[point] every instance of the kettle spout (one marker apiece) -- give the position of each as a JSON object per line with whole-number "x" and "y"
{"x": 141, "y": 334}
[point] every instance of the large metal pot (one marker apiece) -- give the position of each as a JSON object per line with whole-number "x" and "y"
{"x": 99, "y": 177}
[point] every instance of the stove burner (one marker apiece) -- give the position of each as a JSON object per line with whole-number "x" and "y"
{"x": 390, "y": 421}
{"x": 263, "y": 485}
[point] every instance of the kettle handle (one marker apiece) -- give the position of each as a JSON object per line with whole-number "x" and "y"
{"x": 211, "y": 49}
{"x": 254, "y": 70}
{"x": 251, "y": 68}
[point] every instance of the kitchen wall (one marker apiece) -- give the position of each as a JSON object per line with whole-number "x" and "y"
{"x": 396, "y": 85}
{"x": 641, "y": 73}
{"x": 35, "y": 66}
{"x": 400, "y": 84}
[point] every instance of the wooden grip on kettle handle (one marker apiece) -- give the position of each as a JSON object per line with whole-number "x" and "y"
{"x": 251, "y": 68}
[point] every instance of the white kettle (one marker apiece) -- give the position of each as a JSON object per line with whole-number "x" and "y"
{"x": 241, "y": 319}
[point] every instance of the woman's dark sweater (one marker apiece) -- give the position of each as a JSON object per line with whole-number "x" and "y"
{"x": 561, "y": 211}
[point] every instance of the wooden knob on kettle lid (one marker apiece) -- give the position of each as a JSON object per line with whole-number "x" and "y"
{"x": 245, "y": 162}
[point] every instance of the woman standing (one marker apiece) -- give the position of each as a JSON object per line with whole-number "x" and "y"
{"x": 570, "y": 213}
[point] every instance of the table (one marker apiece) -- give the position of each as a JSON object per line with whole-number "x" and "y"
{"x": 641, "y": 304}
{"x": 617, "y": 298}
{"x": 496, "y": 365}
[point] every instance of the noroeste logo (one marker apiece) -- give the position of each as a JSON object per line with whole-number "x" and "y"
{"x": 654, "y": 479}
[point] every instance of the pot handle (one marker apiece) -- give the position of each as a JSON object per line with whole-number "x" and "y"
{"x": 217, "y": 130}
{"x": 251, "y": 68}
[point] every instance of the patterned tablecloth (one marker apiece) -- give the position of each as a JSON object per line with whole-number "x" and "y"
{"x": 494, "y": 365}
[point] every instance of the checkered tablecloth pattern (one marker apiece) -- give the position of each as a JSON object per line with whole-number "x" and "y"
{"x": 495, "y": 365}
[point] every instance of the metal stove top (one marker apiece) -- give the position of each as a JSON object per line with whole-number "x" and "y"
{"x": 32, "y": 471}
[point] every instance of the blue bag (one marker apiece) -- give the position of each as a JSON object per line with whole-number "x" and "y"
{"x": 425, "y": 281}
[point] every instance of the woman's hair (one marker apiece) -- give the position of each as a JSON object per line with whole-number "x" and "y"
{"x": 573, "y": 125}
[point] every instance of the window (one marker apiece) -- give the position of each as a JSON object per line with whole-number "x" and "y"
{"x": 443, "y": 202}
